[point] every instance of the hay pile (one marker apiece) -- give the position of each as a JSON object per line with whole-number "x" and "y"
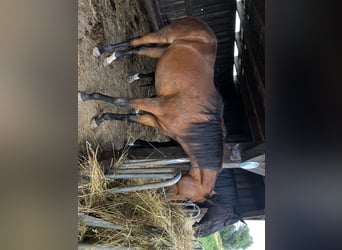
{"x": 149, "y": 221}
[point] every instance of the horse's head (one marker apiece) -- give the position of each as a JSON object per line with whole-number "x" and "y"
{"x": 196, "y": 186}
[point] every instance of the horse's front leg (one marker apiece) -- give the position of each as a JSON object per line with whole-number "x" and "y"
{"x": 118, "y": 101}
{"x": 150, "y": 105}
{"x": 145, "y": 119}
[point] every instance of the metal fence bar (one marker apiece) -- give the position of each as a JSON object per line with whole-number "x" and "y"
{"x": 97, "y": 222}
{"x": 166, "y": 183}
{"x": 83, "y": 246}
{"x": 140, "y": 176}
{"x": 141, "y": 163}
{"x": 196, "y": 209}
{"x": 142, "y": 170}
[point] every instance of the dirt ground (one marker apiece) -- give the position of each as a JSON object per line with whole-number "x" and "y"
{"x": 99, "y": 23}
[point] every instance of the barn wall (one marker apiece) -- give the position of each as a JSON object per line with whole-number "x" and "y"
{"x": 250, "y": 190}
{"x": 241, "y": 189}
{"x": 250, "y": 64}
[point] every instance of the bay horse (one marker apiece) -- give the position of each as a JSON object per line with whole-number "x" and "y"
{"x": 187, "y": 106}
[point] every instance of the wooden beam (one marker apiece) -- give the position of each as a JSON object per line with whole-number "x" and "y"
{"x": 152, "y": 7}
{"x": 252, "y": 51}
{"x": 188, "y": 7}
{"x": 260, "y": 170}
{"x": 251, "y": 112}
{"x": 251, "y": 214}
{"x": 252, "y": 152}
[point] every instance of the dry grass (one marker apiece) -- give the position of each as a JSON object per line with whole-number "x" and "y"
{"x": 150, "y": 221}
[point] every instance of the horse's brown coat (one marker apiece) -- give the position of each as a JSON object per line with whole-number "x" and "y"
{"x": 185, "y": 97}
{"x": 184, "y": 84}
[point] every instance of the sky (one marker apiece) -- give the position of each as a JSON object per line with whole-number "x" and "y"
{"x": 257, "y": 231}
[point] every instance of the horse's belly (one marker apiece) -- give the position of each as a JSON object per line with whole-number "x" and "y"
{"x": 179, "y": 69}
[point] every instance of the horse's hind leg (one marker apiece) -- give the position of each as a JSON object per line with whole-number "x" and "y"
{"x": 162, "y": 36}
{"x": 109, "y": 48}
{"x": 156, "y": 37}
{"x": 150, "y": 51}
{"x": 188, "y": 28}
{"x": 138, "y": 76}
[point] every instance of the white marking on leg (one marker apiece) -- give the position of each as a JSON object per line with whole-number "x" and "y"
{"x": 133, "y": 78}
{"x": 131, "y": 141}
{"x": 80, "y": 97}
{"x": 109, "y": 60}
{"x": 93, "y": 124}
{"x": 96, "y": 52}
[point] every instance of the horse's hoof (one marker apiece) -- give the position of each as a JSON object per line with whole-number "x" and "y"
{"x": 93, "y": 123}
{"x": 131, "y": 141}
{"x": 96, "y": 52}
{"x": 109, "y": 60}
{"x": 80, "y": 96}
{"x": 133, "y": 78}
{"x": 106, "y": 62}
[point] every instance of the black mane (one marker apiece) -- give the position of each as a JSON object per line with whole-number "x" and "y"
{"x": 206, "y": 138}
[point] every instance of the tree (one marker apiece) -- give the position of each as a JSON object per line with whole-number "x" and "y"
{"x": 235, "y": 238}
